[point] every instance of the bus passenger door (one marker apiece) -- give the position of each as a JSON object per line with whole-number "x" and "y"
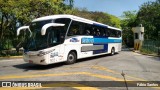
{"x": 57, "y": 54}
{"x": 61, "y": 52}
{"x": 61, "y": 46}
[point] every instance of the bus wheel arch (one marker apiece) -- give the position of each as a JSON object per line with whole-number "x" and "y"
{"x": 112, "y": 51}
{"x": 72, "y": 57}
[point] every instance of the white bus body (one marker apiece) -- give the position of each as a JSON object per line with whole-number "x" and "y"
{"x": 66, "y": 38}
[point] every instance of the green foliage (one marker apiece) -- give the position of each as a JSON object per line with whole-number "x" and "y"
{"x": 14, "y": 12}
{"x": 150, "y": 47}
{"x": 115, "y": 21}
{"x": 127, "y": 22}
{"x": 149, "y": 16}
{"x": 98, "y": 16}
{"x": 145, "y": 51}
{"x": 23, "y": 11}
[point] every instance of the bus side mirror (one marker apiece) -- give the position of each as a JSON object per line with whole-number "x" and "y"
{"x": 23, "y": 28}
{"x": 44, "y": 28}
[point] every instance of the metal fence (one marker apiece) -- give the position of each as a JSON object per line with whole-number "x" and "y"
{"x": 151, "y": 47}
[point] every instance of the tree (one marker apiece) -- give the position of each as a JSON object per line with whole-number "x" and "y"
{"x": 22, "y": 12}
{"x": 101, "y": 17}
{"x": 149, "y": 16}
{"x": 128, "y": 21}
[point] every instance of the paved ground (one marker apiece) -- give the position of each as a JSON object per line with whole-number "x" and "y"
{"x": 105, "y": 68}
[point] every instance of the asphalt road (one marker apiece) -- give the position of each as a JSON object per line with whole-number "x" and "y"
{"x": 92, "y": 71}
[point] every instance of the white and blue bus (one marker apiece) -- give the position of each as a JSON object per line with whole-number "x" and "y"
{"x": 66, "y": 38}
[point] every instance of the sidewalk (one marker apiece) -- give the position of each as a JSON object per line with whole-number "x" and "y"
{"x": 146, "y": 53}
{"x": 136, "y": 51}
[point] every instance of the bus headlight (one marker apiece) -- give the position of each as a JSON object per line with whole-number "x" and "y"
{"x": 41, "y": 53}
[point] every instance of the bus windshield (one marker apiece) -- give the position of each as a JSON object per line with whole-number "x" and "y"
{"x": 54, "y": 35}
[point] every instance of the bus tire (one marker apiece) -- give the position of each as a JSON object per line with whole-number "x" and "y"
{"x": 72, "y": 57}
{"x": 112, "y": 51}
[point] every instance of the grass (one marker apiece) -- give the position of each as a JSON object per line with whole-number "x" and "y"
{"x": 148, "y": 52}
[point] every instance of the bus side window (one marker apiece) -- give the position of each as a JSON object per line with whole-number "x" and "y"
{"x": 107, "y": 33}
{"x": 73, "y": 29}
{"x": 98, "y": 32}
{"x": 119, "y": 33}
{"x": 87, "y": 32}
{"x": 94, "y": 31}
{"x": 103, "y": 32}
{"x": 112, "y": 33}
{"x": 87, "y": 29}
{"x": 65, "y": 21}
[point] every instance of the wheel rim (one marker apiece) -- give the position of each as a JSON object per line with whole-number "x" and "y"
{"x": 71, "y": 57}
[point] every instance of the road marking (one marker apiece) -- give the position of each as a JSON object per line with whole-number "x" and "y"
{"x": 103, "y": 76}
{"x": 74, "y": 73}
{"x": 73, "y": 85}
{"x": 103, "y": 68}
{"x": 67, "y": 74}
{"x": 61, "y": 74}
{"x": 64, "y": 74}
{"x": 108, "y": 70}
{"x": 39, "y": 75}
{"x": 114, "y": 72}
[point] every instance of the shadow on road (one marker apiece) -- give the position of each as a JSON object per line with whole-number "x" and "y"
{"x": 93, "y": 58}
{"x": 28, "y": 66}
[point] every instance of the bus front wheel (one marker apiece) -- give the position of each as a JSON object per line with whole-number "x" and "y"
{"x": 71, "y": 58}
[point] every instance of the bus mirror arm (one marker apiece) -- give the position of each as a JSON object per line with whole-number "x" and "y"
{"x": 23, "y": 28}
{"x": 44, "y": 28}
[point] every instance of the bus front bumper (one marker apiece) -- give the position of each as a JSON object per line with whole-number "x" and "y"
{"x": 34, "y": 59}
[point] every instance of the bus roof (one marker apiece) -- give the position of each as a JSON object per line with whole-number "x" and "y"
{"x": 76, "y": 18}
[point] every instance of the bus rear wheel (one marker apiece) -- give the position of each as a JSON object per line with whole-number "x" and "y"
{"x": 112, "y": 51}
{"x": 71, "y": 58}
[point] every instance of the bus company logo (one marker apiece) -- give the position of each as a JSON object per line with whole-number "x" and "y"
{"x": 6, "y": 84}
{"x": 53, "y": 54}
{"x": 74, "y": 40}
{"x": 87, "y": 40}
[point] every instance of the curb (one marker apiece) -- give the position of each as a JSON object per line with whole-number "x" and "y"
{"x": 11, "y": 57}
{"x": 149, "y": 54}
{"x": 145, "y": 53}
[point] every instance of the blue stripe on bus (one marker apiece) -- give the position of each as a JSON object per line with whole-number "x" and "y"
{"x": 106, "y": 40}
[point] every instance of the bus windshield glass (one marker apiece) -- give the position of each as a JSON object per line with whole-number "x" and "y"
{"x": 54, "y": 35}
